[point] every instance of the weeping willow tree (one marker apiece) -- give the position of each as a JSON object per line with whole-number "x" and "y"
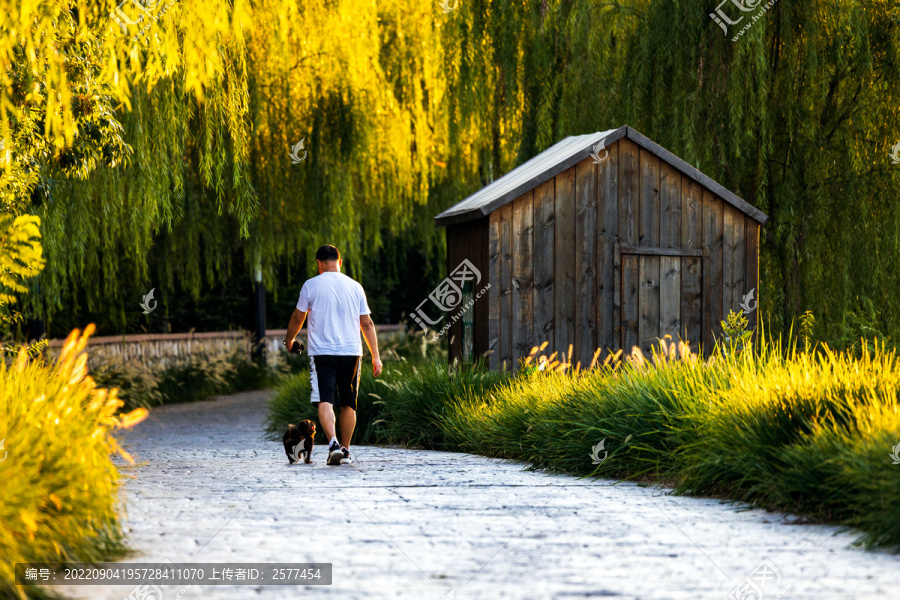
{"x": 165, "y": 158}
{"x": 69, "y": 71}
{"x": 189, "y": 124}
{"x": 361, "y": 83}
{"x": 791, "y": 116}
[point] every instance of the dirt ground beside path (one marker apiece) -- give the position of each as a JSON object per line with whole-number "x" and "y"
{"x": 420, "y": 524}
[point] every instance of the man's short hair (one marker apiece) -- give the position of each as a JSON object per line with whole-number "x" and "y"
{"x": 328, "y": 252}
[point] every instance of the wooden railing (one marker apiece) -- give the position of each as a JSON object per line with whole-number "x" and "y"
{"x": 102, "y": 340}
{"x": 164, "y": 348}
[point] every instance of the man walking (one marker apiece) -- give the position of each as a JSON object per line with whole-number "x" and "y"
{"x": 337, "y": 310}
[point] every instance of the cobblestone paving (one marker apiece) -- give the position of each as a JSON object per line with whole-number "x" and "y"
{"x": 432, "y": 525}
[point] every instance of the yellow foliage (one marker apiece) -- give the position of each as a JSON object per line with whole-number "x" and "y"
{"x": 138, "y": 43}
{"x": 133, "y": 418}
{"x": 60, "y": 486}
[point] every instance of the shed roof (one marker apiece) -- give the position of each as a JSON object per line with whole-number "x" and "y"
{"x": 563, "y": 155}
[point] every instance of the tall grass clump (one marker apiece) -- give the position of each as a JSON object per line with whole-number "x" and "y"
{"x": 554, "y": 418}
{"x": 809, "y": 432}
{"x": 60, "y": 486}
{"x": 415, "y": 406}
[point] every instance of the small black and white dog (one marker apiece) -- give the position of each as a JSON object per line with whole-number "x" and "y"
{"x": 298, "y": 440}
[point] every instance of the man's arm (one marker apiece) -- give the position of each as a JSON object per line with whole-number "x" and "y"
{"x": 368, "y": 331}
{"x": 294, "y": 326}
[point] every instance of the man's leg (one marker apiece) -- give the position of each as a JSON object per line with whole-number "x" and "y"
{"x": 348, "y": 422}
{"x": 348, "y": 390}
{"x": 326, "y": 420}
{"x": 323, "y": 378}
{"x": 321, "y": 381}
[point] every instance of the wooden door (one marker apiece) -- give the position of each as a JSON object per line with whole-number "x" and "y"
{"x": 661, "y": 295}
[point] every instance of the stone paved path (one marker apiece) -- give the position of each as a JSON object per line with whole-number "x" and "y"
{"x": 432, "y": 525}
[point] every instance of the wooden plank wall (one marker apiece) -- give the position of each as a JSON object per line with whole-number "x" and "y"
{"x": 564, "y": 259}
{"x": 469, "y": 241}
{"x": 670, "y": 266}
{"x": 713, "y": 270}
{"x": 522, "y": 305}
{"x": 481, "y": 309}
{"x": 505, "y": 285}
{"x": 585, "y": 261}
{"x": 691, "y": 271}
{"x": 648, "y": 236}
{"x": 733, "y": 250}
{"x": 629, "y": 197}
{"x": 607, "y": 228}
{"x": 494, "y": 235}
{"x": 558, "y": 275}
{"x": 544, "y": 264}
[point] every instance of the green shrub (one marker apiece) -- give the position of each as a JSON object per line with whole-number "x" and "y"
{"x": 553, "y": 418}
{"x": 196, "y": 378}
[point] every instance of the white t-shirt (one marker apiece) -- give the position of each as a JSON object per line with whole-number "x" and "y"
{"x": 335, "y": 302}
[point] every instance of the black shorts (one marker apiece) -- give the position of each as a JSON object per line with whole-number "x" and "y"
{"x": 334, "y": 379}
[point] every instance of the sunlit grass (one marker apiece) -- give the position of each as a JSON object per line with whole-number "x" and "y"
{"x": 60, "y": 487}
{"x": 806, "y": 432}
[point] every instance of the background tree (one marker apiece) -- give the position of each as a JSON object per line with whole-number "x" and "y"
{"x": 794, "y": 116}
{"x": 184, "y": 170}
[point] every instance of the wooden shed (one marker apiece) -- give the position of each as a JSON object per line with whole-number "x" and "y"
{"x": 603, "y": 241}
